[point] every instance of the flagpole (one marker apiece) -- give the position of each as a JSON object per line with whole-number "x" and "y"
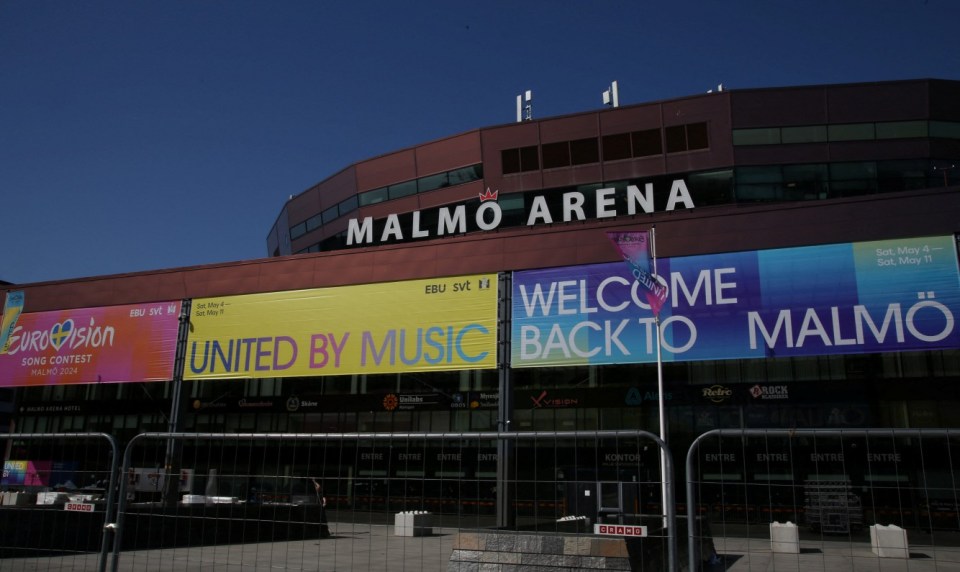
{"x": 660, "y": 400}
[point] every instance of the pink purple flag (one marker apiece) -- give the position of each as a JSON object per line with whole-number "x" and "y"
{"x": 634, "y": 246}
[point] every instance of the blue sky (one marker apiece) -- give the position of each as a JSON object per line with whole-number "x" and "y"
{"x": 138, "y": 135}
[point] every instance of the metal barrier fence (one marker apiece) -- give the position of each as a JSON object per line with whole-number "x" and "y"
{"x": 186, "y": 497}
{"x": 59, "y": 495}
{"x": 403, "y": 501}
{"x": 841, "y": 491}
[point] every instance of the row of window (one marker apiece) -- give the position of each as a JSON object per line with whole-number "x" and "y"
{"x": 636, "y": 144}
{"x": 743, "y": 185}
{"x": 646, "y": 143}
{"x": 316, "y": 221}
{"x": 395, "y": 191}
{"x": 847, "y": 132}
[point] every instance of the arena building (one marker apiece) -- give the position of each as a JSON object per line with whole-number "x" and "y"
{"x": 807, "y": 237}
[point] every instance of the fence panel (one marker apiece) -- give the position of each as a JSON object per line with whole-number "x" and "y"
{"x": 833, "y": 486}
{"x": 58, "y": 496}
{"x": 391, "y": 501}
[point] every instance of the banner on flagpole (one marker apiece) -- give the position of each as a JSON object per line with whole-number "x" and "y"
{"x": 634, "y": 246}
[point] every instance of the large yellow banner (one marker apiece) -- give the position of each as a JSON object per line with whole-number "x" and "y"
{"x": 419, "y": 325}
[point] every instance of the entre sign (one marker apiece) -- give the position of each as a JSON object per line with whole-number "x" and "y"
{"x": 454, "y": 220}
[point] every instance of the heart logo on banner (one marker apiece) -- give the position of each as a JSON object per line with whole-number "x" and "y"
{"x": 60, "y": 333}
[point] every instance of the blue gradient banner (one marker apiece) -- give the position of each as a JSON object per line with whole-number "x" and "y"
{"x": 891, "y": 295}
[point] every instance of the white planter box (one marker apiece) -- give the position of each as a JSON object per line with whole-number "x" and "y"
{"x": 12, "y": 498}
{"x": 416, "y": 523}
{"x": 784, "y": 538}
{"x": 889, "y": 541}
{"x": 51, "y": 498}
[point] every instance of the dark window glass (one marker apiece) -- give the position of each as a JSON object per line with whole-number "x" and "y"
{"x": 805, "y": 134}
{"x": 373, "y": 197}
{"x": 556, "y": 155}
{"x": 851, "y": 132}
{"x": 465, "y": 175}
{"x": 646, "y": 143}
{"x": 676, "y": 138}
{"x": 297, "y": 231}
{"x": 945, "y": 129}
{"x": 805, "y": 182}
{"x": 697, "y": 136}
{"x": 851, "y": 171}
{"x": 902, "y": 129}
{"x": 584, "y": 151}
{"x": 313, "y": 223}
{"x": 895, "y": 176}
{"x": 616, "y": 147}
{"x": 529, "y": 159}
{"x": 510, "y": 159}
{"x": 853, "y": 179}
{"x": 761, "y": 136}
{"x": 403, "y": 189}
{"x": 512, "y": 207}
{"x": 772, "y": 174}
{"x": 348, "y": 205}
{"x": 330, "y": 214}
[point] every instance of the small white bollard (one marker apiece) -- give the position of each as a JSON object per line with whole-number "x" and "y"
{"x": 889, "y": 541}
{"x": 784, "y": 538}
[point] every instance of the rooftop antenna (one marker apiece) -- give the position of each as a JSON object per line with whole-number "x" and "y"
{"x": 719, "y": 89}
{"x": 611, "y": 96}
{"x": 525, "y": 106}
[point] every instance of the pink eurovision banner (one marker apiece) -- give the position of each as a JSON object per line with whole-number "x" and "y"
{"x": 635, "y": 249}
{"x": 111, "y": 344}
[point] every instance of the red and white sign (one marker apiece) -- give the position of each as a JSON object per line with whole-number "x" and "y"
{"x": 619, "y": 530}
{"x": 78, "y": 507}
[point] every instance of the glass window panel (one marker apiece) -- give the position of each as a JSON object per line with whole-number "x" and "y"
{"x": 529, "y": 158}
{"x": 711, "y": 188}
{"x": 616, "y": 147}
{"x": 373, "y": 197}
{"x": 430, "y": 183}
{"x": 298, "y": 230}
{"x": 585, "y": 151}
{"x": 805, "y": 182}
{"x": 481, "y": 420}
{"x": 853, "y": 188}
{"x": 902, "y": 129}
{"x": 348, "y": 205}
{"x": 676, "y": 138}
{"x": 697, "y": 136}
{"x": 772, "y": 174}
{"x": 510, "y": 161}
{"x": 646, "y": 143}
{"x": 852, "y": 132}
{"x": 946, "y": 129}
{"x": 464, "y": 175}
{"x": 811, "y": 172}
{"x": 852, "y": 171}
{"x": 895, "y": 176}
{"x": 404, "y": 189}
{"x": 330, "y": 214}
{"x": 804, "y": 134}
{"x": 313, "y": 223}
{"x": 759, "y": 192}
{"x": 556, "y": 155}
{"x": 764, "y": 136}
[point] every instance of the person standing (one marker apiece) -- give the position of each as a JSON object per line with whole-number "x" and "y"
{"x": 322, "y": 501}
